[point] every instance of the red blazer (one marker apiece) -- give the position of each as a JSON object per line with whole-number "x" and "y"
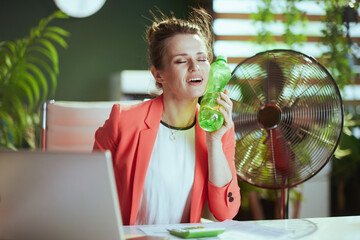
{"x": 130, "y": 134}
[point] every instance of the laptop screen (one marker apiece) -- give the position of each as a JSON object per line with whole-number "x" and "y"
{"x": 52, "y": 195}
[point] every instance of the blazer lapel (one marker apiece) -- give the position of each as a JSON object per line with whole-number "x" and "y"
{"x": 145, "y": 146}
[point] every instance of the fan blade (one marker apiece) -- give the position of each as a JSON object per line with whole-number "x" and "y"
{"x": 245, "y": 87}
{"x": 275, "y": 81}
{"x": 282, "y": 157}
{"x": 252, "y": 151}
{"x": 245, "y": 119}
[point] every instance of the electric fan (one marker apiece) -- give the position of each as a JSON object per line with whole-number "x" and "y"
{"x": 288, "y": 118}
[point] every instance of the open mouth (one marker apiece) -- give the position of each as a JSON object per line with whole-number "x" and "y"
{"x": 195, "y": 80}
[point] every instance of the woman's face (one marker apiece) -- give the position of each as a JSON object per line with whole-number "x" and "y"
{"x": 185, "y": 67}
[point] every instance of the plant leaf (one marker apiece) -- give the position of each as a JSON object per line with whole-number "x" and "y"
{"x": 38, "y": 49}
{"x": 39, "y": 76}
{"x": 58, "y": 31}
{"x": 56, "y": 38}
{"x": 40, "y": 62}
{"x": 30, "y": 79}
{"x": 7, "y": 127}
{"x": 21, "y": 85}
{"x": 53, "y": 53}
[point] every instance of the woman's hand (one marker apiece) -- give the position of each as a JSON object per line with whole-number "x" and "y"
{"x": 219, "y": 169}
{"x": 226, "y": 111}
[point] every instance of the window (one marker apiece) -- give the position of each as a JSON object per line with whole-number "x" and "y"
{"x": 235, "y": 30}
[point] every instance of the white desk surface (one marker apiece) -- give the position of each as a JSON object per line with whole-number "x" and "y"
{"x": 339, "y": 228}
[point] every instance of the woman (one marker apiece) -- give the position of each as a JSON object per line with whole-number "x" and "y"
{"x": 166, "y": 167}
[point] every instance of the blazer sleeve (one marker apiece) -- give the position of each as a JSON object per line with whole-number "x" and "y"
{"x": 224, "y": 202}
{"x": 107, "y": 136}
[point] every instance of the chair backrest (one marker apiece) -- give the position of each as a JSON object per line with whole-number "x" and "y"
{"x": 69, "y": 126}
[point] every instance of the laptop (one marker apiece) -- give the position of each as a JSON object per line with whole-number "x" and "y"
{"x": 52, "y": 195}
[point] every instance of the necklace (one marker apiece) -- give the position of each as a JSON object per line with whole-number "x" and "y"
{"x": 174, "y": 130}
{"x": 172, "y": 136}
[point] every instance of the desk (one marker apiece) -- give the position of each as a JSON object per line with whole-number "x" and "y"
{"x": 339, "y": 228}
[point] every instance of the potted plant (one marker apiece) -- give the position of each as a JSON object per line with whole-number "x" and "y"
{"x": 28, "y": 77}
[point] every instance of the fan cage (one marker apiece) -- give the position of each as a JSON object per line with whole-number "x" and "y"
{"x": 288, "y": 116}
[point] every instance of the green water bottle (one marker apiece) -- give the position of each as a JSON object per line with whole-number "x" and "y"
{"x": 210, "y": 118}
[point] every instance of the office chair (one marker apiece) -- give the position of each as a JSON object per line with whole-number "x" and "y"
{"x": 69, "y": 126}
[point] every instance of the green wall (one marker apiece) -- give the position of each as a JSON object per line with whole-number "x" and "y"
{"x": 109, "y": 41}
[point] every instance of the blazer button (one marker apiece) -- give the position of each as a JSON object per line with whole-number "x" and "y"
{"x": 231, "y": 199}
{"x": 230, "y": 194}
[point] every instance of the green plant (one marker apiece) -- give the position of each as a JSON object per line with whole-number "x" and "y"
{"x": 346, "y": 162}
{"x": 346, "y": 169}
{"x": 265, "y": 16}
{"x": 333, "y": 36}
{"x": 28, "y": 77}
{"x": 292, "y": 17}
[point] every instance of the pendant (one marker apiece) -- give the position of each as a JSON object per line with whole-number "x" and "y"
{"x": 172, "y": 137}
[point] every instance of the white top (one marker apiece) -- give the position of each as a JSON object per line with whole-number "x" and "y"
{"x": 169, "y": 179}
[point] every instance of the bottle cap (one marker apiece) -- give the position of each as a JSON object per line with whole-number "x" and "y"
{"x": 221, "y": 57}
